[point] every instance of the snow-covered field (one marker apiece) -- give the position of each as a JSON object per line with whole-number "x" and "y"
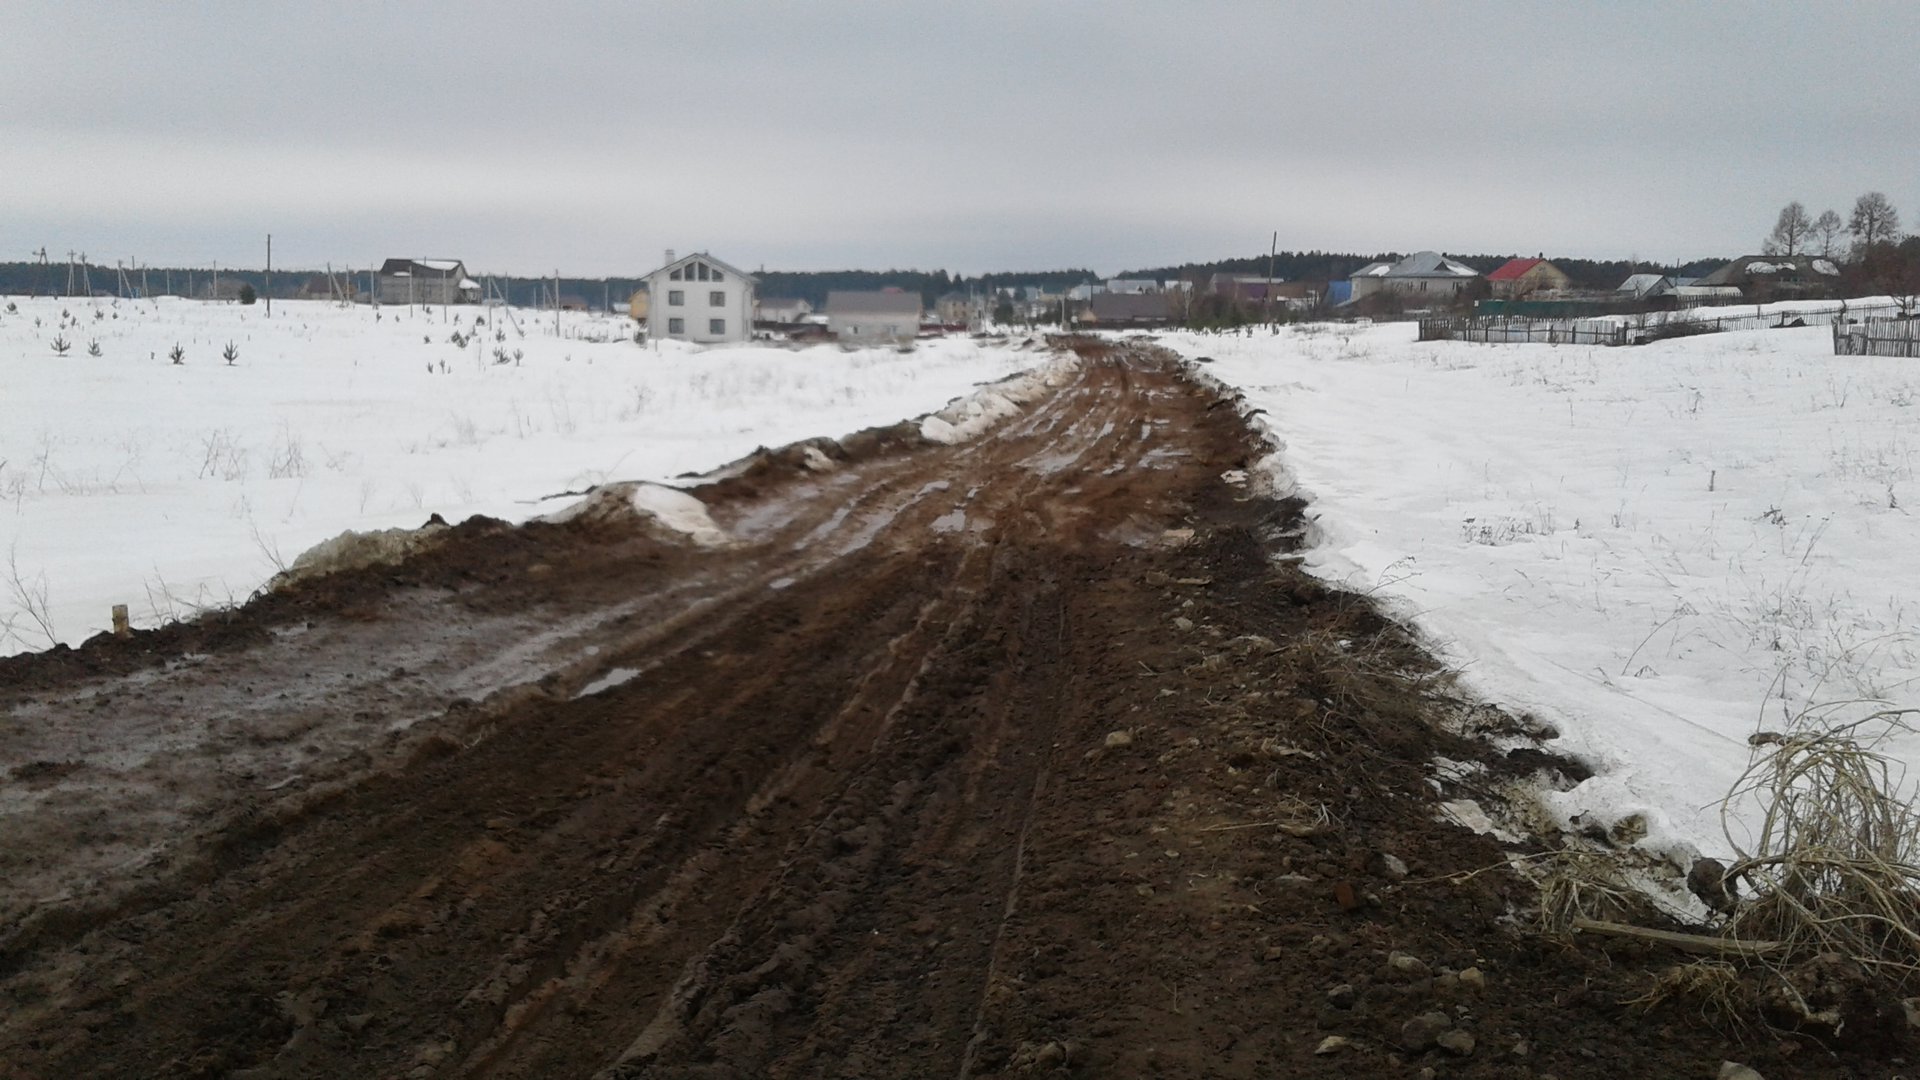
{"x": 1660, "y": 550}
{"x": 126, "y": 478}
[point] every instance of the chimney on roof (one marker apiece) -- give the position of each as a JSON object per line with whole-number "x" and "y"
{"x": 669, "y": 256}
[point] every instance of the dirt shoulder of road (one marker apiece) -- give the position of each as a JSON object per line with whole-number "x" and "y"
{"x": 1035, "y": 755}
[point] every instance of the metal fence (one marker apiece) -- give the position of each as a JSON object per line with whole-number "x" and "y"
{"x": 1639, "y": 329}
{"x": 1877, "y": 337}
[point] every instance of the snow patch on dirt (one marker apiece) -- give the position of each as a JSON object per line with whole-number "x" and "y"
{"x": 968, "y": 417}
{"x": 351, "y": 550}
{"x": 670, "y": 507}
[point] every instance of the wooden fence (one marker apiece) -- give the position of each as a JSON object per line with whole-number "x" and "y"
{"x": 1639, "y": 329}
{"x": 1877, "y": 337}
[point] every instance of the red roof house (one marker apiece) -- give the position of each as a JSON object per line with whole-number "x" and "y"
{"x": 1520, "y": 277}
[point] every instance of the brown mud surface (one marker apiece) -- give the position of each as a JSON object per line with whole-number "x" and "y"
{"x": 1028, "y": 756}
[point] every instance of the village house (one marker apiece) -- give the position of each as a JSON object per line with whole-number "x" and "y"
{"x": 782, "y": 310}
{"x": 1777, "y": 277}
{"x": 1646, "y": 286}
{"x": 698, "y": 298}
{"x": 637, "y": 305}
{"x": 425, "y": 281}
{"x": 953, "y": 309}
{"x": 1425, "y": 276}
{"x": 1517, "y": 279}
{"x": 1120, "y": 309}
{"x": 889, "y": 316}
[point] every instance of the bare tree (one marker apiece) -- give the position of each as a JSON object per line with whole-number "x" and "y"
{"x": 1874, "y": 222}
{"x": 1826, "y": 231}
{"x": 1791, "y": 232}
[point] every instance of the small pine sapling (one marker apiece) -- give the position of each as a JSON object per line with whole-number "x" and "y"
{"x": 93, "y": 349}
{"x": 178, "y": 355}
{"x": 61, "y": 345}
{"x": 230, "y": 353}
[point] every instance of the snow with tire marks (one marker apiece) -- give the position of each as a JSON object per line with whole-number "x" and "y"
{"x": 126, "y": 478}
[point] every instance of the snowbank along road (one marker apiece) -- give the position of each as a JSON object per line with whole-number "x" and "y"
{"x": 1029, "y": 754}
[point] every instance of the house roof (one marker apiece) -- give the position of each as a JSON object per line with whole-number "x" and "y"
{"x": 1773, "y": 268}
{"x": 422, "y": 267}
{"x": 1130, "y": 306}
{"x": 1428, "y": 264}
{"x": 1113, "y": 306}
{"x": 1514, "y": 269}
{"x": 1642, "y": 284}
{"x": 852, "y": 302}
{"x": 711, "y": 261}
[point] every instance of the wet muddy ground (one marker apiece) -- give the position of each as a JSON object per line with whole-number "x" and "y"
{"x": 1033, "y": 755}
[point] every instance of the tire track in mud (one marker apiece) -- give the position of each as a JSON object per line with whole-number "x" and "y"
{"x": 964, "y": 761}
{"x": 845, "y": 695}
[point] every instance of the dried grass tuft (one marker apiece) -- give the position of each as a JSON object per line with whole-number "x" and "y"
{"x": 1835, "y": 867}
{"x": 1717, "y": 988}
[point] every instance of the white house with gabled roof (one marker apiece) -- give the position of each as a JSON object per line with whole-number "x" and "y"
{"x": 701, "y": 299}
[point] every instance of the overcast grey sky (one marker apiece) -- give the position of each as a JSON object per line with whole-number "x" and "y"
{"x": 967, "y": 134}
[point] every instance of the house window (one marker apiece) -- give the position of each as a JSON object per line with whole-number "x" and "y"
{"x": 676, "y": 326}
{"x": 675, "y": 275}
{"x": 676, "y": 298}
{"x": 717, "y": 298}
{"x": 717, "y": 277}
{"x": 716, "y": 326}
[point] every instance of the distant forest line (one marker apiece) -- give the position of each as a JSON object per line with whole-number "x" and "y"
{"x": 29, "y": 278}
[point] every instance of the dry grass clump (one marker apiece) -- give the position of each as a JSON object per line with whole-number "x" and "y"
{"x": 1576, "y": 884}
{"x": 1835, "y": 866}
{"x": 1717, "y": 988}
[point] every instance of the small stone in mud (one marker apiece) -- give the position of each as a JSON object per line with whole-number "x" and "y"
{"x": 1342, "y": 996}
{"x": 1333, "y": 1044}
{"x": 1182, "y": 623}
{"x": 1409, "y": 965}
{"x": 1733, "y": 1070}
{"x": 1423, "y": 1030}
{"x": 1119, "y": 740}
{"x": 1394, "y": 868}
{"x": 1456, "y": 1042}
{"x": 1473, "y": 979}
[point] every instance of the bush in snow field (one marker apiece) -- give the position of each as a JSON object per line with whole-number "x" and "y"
{"x": 247, "y": 295}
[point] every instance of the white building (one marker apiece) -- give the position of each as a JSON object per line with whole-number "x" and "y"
{"x": 1424, "y": 275}
{"x": 701, "y": 299}
{"x": 892, "y": 315}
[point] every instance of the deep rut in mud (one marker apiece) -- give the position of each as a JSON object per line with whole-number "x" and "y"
{"x": 1022, "y": 756}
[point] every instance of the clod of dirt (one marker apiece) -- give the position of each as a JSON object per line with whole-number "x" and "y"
{"x": 1456, "y": 1042}
{"x": 1473, "y": 979}
{"x": 1424, "y": 1030}
{"x": 1119, "y": 740}
{"x": 1342, "y": 996}
{"x": 1333, "y": 1044}
{"x": 1733, "y": 1070}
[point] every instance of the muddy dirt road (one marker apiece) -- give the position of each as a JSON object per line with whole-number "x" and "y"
{"x": 1029, "y": 755}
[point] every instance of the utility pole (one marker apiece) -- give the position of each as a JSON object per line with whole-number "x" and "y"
{"x": 1272, "y": 252}
{"x": 216, "y": 280}
{"x": 556, "y": 302}
{"x": 269, "y": 288}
